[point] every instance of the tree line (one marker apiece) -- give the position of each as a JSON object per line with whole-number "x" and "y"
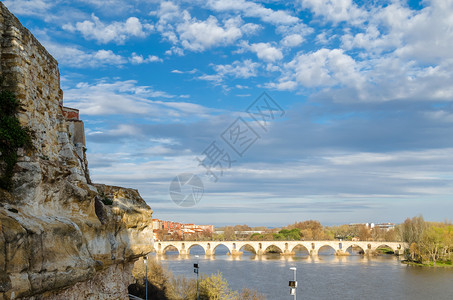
{"x": 308, "y": 230}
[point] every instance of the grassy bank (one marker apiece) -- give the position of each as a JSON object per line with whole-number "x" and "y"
{"x": 439, "y": 264}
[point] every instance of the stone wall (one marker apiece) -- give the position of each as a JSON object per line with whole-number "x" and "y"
{"x": 58, "y": 234}
{"x": 32, "y": 74}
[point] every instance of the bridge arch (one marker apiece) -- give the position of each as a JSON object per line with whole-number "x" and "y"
{"x": 352, "y": 246}
{"x": 247, "y": 247}
{"x": 273, "y": 245}
{"x": 170, "y": 248}
{"x": 380, "y": 246}
{"x": 326, "y": 247}
{"x": 196, "y": 245}
{"x": 300, "y": 246}
{"x": 221, "y": 245}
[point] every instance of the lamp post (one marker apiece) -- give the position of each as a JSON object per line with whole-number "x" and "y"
{"x": 293, "y": 284}
{"x": 145, "y": 259}
{"x": 195, "y": 269}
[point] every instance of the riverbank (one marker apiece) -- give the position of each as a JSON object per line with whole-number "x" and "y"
{"x": 430, "y": 264}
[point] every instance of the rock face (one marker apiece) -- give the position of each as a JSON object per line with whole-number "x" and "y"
{"x": 61, "y": 237}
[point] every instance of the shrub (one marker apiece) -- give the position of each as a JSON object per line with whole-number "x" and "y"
{"x": 215, "y": 287}
{"x": 162, "y": 285}
{"x": 12, "y": 137}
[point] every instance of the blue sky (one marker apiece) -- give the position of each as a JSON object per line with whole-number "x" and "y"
{"x": 366, "y": 87}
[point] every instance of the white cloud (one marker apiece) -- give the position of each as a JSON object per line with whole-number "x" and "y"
{"x": 237, "y": 69}
{"x": 323, "y": 68}
{"x": 186, "y": 32}
{"x": 217, "y": 79}
{"x": 29, "y": 7}
{"x": 126, "y": 97}
{"x": 427, "y": 36}
{"x": 118, "y": 32}
{"x": 283, "y": 85}
{"x": 200, "y": 35}
{"x": 138, "y": 59}
{"x": 264, "y": 51}
{"x": 292, "y": 40}
{"x": 251, "y": 9}
{"x": 74, "y": 57}
{"x": 336, "y": 10}
{"x": 176, "y": 71}
{"x": 420, "y": 35}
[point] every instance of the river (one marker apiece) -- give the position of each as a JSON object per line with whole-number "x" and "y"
{"x": 322, "y": 277}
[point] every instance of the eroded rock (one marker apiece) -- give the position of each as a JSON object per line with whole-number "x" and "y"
{"x": 59, "y": 237}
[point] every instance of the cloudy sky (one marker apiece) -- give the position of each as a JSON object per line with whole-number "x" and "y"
{"x": 362, "y": 92}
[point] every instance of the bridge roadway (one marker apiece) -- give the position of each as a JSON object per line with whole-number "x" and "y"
{"x": 286, "y": 247}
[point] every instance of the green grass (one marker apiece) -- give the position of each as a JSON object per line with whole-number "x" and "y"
{"x": 385, "y": 250}
{"x": 439, "y": 264}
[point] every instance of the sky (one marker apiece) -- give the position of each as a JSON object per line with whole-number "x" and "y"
{"x": 339, "y": 111}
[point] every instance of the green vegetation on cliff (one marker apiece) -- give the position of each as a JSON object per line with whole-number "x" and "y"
{"x": 12, "y": 137}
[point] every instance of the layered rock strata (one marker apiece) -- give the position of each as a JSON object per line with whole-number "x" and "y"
{"x": 61, "y": 237}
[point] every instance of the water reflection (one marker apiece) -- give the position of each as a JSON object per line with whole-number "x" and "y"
{"x": 324, "y": 256}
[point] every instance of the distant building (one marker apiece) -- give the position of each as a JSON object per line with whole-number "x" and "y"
{"x": 209, "y": 228}
{"x": 385, "y": 226}
{"x": 179, "y": 229}
{"x": 157, "y": 224}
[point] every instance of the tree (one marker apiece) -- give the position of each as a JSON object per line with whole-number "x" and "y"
{"x": 431, "y": 243}
{"x": 215, "y": 287}
{"x": 287, "y": 235}
{"x": 229, "y": 234}
{"x": 364, "y": 233}
{"x": 310, "y": 229}
{"x": 256, "y": 237}
{"x": 344, "y": 232}
{"x": 242, "y": 228}
{"x": 247, "y": 294}
{"x": 412, "y": 230}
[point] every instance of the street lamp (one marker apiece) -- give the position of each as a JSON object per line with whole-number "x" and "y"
{"x": 195, "y": 270}
{"x": 293, "y": 284}
{"x": 145, "y": 259}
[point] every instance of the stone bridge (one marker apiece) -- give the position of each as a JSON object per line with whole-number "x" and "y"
{"x": 286, "y": 247}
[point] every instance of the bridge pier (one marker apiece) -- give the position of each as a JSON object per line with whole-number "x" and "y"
{"x": 341, "y": 253}
{"x": 314, "y": 252}
{"x": 399, "y": 252}
{"x": 288, "y": 253}
{"x": 260, "y": 252}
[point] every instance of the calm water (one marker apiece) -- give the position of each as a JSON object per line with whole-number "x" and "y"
{"x": 323, "y": 277}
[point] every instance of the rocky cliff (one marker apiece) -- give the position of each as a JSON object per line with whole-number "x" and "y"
{"x": 61, "y": 237}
